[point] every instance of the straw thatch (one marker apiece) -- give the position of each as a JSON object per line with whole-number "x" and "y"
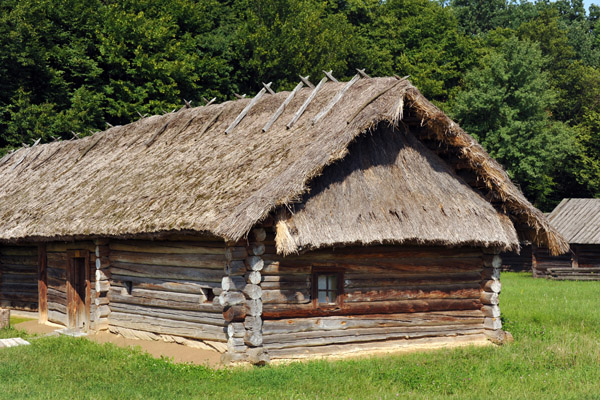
{"x": 391, "y": 188}
{"x": 181, "y": 172}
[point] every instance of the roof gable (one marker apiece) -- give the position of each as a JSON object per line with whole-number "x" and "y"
{"x": 392, "y": 189}
{"x": 578, "y": 220}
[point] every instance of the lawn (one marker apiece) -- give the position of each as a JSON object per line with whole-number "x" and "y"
{"x": 556, "y": 354}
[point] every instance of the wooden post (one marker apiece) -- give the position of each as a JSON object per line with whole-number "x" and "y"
{"x": 101, "y": 300}
{"x": 574, "y": 257}
{"x": 247, "y": 108}
{"x": 4, "y": 318}
{"x": 337, "y": 98}
{"x": 42, "y": 284}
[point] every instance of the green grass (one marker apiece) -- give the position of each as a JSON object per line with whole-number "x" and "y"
{"x": 556, "y": 355}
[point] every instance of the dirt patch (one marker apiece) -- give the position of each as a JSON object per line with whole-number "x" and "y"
{"x": 173, "y": 351}
{"x": 33, "y": 327}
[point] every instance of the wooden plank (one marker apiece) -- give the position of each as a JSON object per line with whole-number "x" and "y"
{"x": 286, "y": 296}
{"x": 28, "y": 251}
{"x": 20, "y": 260}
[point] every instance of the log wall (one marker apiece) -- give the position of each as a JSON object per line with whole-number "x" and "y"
{"x": 588, "y": 256}
{"x": 18, "y": 277}
{"x": 392, "y": 295}
{"x": 542, "y": 260}
{"x": 514, "y": 262}
{"x": 168, "y": 287}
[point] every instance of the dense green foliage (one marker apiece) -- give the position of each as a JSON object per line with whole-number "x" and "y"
{"x": 524, "y": 77}
{"x": 555, "y": 355}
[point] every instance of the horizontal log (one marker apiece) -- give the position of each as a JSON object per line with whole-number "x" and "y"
{"x": 254, "y": 263}
{"x": 173, "y": 285}
{"x": 492, "y": 323}
{"x": 307, "y": 339}
{"x": 18, "y": 251}
{"x": 56, "y": 296}
{"x": 389, "y": 345}
{"x": 492, "y": 285}
{"x": 252, "y": 291}
{"x": 201, "y": 317}
{"x": 235, "y": 253}
{"x": 353, "y": 280}
{"x": 258, "y": 234}
{"x": 57, "y": 307}
{"x": 235, "y": 313}
{"x": 491, "y": 311}
{"x": 206, "y": 261}
{"x": 253, "y": 323}
{"x": 235, "y": 267}
{"x": 30, "y": 288}
{"x": 459, "y": 291}
{"x": 253, "y": 277}
{"x": 393, "y": 252}
{"x": 103, "y": 311}
{"x": 300, "y": 286}
{"x": 55, "y": 273}
{"x": 19, "y": 260}
{"x": 236, "y": 330}
{"x": 257, "y": 249}
{"x": 253, "y": 338}
{"x": 466, "y": 317}
{"x": 231, "y": 298}
{"x": 279, "y": 311}
{"x": 287, "y": 278}
{"x": 489, "y": 298}
{"x": 150, "y": 299}
{"x": 168, "y": 327}
{"x": 167, "y": 272}
{"x": 16, "y": 278}
{"x": 27, "y": 297}
{"x": 233, "y": 283}
{"x": 18, "y": 269}
{"x": 56, "y": 260}
{"x": 57, "y": 317}
{"x": 168, "y": 247}
{"x": 286, "y": 296}
{"x": 62, "y": 247}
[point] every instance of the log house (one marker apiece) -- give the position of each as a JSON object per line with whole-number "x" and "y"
{"x": 578, "y": 221}
{"x": 376, "y": 226}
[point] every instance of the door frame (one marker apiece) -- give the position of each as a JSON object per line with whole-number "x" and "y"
{"x": 72, "y": 291}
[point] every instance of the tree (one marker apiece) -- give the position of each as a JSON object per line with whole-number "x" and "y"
{"x": 505, "y": 104}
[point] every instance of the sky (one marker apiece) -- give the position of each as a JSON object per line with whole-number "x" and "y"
{"x": 588, "y": 3}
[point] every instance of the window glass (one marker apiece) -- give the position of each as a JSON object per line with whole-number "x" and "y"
{"x": 327, "y": 285}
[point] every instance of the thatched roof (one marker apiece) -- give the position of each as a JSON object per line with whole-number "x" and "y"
{"x": 181, "y": 172}
{"x": 578, "y": 220}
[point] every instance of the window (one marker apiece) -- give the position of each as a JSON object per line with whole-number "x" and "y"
{"x": 328, "y": 286}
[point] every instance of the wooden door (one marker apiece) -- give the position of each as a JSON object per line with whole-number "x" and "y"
{"x": 78, "y": 290}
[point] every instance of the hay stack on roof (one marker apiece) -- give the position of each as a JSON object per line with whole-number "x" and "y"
{"x": 182, "y": 172}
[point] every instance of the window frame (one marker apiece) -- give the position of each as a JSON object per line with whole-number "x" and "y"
{"x": 327, "y": 269}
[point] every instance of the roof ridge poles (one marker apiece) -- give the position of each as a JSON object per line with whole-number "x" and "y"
{"x": 283, "y": 105}
{"x": 306, "y": 103}
{"x": 337, "y": 98}
{"x": 247, "y": 108}
{"x": 306, "y": 81}
{"x": 25, "y": 155}
{"x": 362, "y": 73}
{"x": 331, "y": 77}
